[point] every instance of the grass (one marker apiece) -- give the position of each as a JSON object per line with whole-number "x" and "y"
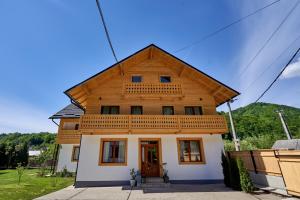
{"x": 31, "y": 185}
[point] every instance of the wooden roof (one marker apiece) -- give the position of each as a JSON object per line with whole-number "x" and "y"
{"x": 221, "y": 92}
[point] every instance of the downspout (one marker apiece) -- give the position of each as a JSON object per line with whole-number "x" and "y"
{"x": 77, "y": 161}
{"x": 55, "y": 153}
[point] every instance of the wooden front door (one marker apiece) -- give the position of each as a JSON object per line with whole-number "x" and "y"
{"x": 150, "y": 160}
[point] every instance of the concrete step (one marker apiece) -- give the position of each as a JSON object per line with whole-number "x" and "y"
{"x": 154, "y": 180}
{"x": 155, "y": 185}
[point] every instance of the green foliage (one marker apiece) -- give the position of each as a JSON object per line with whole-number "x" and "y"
{"x": 132, "y": 174}
{"x": 14, "y": 147}
{"x": 245, "y": 180}
{"x": 65, "y": 173}
{"x": 226, "y": 170}
{"x": 234, "y": 174}
{"x": 20, "y": 171}
{"x": 258, "y": 125}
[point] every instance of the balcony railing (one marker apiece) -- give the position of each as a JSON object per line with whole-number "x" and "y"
{"x": 149, "y": 88}
{"x": 68, "y": 137}
{"x": 94, "y": 123}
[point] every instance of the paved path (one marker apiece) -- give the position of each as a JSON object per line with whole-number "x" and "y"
{"x": 175, "y": 192}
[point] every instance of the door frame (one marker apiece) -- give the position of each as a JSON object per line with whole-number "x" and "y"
{"x": 159, "y": 153}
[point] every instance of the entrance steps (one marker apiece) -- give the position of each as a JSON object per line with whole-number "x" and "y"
{"x": 155, "y": 182}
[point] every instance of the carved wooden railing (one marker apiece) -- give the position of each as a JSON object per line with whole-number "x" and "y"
{"x": 68, "y": 137}
{"x": 149, "y": 88}
{"x": 203, "y": 123}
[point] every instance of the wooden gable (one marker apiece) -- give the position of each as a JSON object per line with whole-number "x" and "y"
{"x": 153, "y": 62}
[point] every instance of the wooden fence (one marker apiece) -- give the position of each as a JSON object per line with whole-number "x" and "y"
{"x": 285, "y": 163}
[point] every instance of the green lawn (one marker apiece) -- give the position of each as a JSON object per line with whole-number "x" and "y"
{"x": 31, "y": 185}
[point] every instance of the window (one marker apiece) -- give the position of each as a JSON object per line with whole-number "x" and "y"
{"x": 110, "y": 110}
{"x": 113, "y": 151}
{"x": 190, "y": 151}
{"x": 136, "y": 110}
{"x": 75, "y": 153}
{"x": 136, "y": 79}
{"x": 165, "y": 79}
{"x": 193, "y": 110}
{"x": 168, "y": 110}
{"x": 70, "y": 126}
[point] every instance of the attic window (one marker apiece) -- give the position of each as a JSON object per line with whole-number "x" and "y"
{"x": 136, "y": 79}
{"x": 165, "y": 79}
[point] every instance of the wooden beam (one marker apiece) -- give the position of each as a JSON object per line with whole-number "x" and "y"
{"x": 151, "y": 53}
{"x": 181, "y": 71}
{"x": 86, "y": 89}
{"x": 217, "y": 90}
{"x": 121, "y": 69}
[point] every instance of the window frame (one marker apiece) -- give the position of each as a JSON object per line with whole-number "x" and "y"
{"x": 165, "y": 76}
{"x": 162, "y": 110}
{"x": 201, "y": 151}
{"x": 73, "y": 153}
{"x": 110, "y": 108}
{"x": 193, "y": 107}
{"x": 136, "y": 76}
{"x": 131, "y": 109}
{"x": 102, "y": 140}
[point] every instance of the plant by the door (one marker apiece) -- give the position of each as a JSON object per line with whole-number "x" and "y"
{"x": 165, "y": 173}
{"x": 133, "y": 175}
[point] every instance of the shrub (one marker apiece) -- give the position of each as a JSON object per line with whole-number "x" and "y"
{"x": 64, "y": 173}
{"x": 20, "y": 171}
{"x": 234, "y": 174}
{"x": 226, "y": 170}
{"x": 245, "y": 180}
{"x": 42, "y": 170}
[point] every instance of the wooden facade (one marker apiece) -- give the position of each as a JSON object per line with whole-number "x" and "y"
{"x": 188, "y": 87}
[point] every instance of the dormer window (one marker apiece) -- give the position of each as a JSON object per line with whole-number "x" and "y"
{"x": 165, "y": 79}
{"x": 136, "y": 79}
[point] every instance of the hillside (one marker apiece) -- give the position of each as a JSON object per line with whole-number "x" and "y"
{"x": 259, "y": 125}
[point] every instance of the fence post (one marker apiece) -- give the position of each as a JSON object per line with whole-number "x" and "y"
{"x": 253, "y": 161}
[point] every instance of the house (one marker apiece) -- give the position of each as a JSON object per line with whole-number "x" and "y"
{"x": 150, "y": 110}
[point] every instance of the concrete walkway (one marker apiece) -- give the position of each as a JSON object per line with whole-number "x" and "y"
{"x": 175, "y": 192}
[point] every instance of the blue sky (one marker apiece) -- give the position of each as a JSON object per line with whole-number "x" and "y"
{"x": 48, "y": 46}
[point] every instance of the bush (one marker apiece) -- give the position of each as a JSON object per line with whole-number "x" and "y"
{"x": 64, "y": 173}
{"x": 226, "y": 170}
{"x": 20, "y": 171}
{"x": 234, "y": 174}
{"x": 245, "y": 180}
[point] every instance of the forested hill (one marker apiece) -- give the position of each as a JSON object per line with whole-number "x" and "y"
{"x": 260, "y": 120}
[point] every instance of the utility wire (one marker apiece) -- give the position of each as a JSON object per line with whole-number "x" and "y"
{"x": 225, "y": 27}
{"x": 270, "y": 65}
{"x": 269, "y": 39}
{"x": 106, "y": 30}
{"x": 277, "y": 76}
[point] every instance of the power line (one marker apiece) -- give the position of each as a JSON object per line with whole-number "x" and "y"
{"x": 277, "y": 76}
{"x": 270, "y": 65}
{"x": 269, "y": 39}
{"x": 106, "y": 30}
{"x": 225, "y": 27}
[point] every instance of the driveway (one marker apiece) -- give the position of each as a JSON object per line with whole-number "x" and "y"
{"x": 174, "y": 192}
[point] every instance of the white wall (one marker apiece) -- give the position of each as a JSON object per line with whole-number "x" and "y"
{"x": 88, "y": 169}
{"x": 65, "y": 158}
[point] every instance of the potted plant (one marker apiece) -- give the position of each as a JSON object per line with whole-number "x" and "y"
{"x": 165, "y": 173}
{"x": 133, "y": 175}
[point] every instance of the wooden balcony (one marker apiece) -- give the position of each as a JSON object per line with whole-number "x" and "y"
{"x": 152, "y": 89}
{"x": 68, "y": 137}
{"x": 152, "y": 124}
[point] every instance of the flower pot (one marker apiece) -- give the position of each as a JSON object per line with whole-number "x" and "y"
{"x": 132, "y": 182}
